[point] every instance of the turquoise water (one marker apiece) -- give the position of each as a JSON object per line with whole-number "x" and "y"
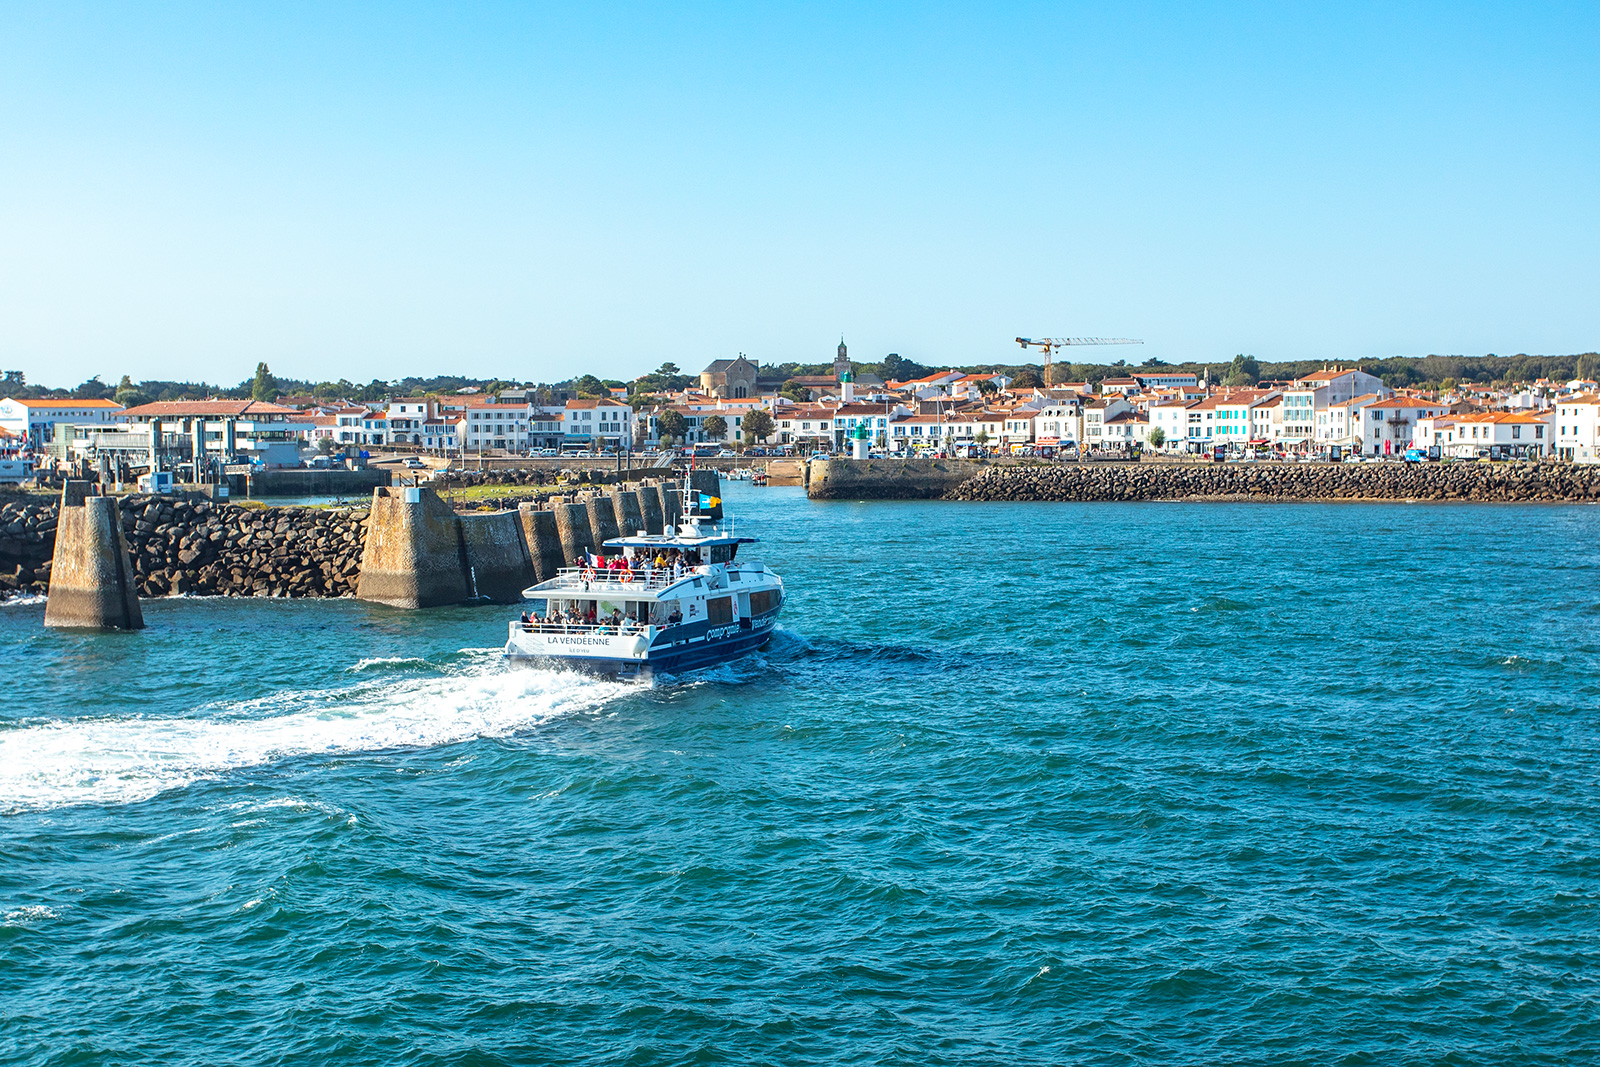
{"x": 1156, "y": 783}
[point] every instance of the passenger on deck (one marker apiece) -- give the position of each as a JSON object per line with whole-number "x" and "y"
{"x": 675, "y": 617}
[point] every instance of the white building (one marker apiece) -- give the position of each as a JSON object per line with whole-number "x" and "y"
{"x": 1166, "y": 379}
{"x": 1468, "y": 436}
{"x": 1578, "y": 428}
{"x": 1342, "y": 385}
{"x": 1095, "y": 414}
{"x": 486, "y": 424}
{"x": 252, "y": 430}
{"x": 1056, "y": 424}
{"x": 1340, "y": 422}
{"x": 34, "y": 421}
{"x": 1389, "y": 427}
{"x": 597, "y": 424}
{"x": 1233, "y": 424}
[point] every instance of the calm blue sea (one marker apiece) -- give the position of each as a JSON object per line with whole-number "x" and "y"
{"x": 1034, "y": 783}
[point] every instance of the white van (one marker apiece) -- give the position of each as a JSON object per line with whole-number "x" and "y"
{"x": 15, "y": 471}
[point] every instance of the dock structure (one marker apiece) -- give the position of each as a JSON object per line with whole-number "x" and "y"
{"x": 602, "y": 518}
{"x": 544, "y": 541}
{"x": 496, "y": 556}
{"x": 421, "y": 554}
{"x": 630, "y": 518}
{"x": 413, "y": 556}
{"x": 91, "y": 572}
{"x": 572, "y": 523}
{"x": 650, "y": 505}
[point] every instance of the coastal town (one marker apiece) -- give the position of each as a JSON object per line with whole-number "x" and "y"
{"x": 738, "y": 406}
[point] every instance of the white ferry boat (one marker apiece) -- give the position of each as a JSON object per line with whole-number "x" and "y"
{"x": 652, "y": 603}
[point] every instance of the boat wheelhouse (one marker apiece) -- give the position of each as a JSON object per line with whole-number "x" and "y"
{"x": 651, "y": 604}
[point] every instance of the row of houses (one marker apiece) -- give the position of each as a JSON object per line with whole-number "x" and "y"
{"x": 1158, "y": 409}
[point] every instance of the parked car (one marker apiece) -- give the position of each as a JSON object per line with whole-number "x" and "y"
{"x": 414, "y": 463}
{"x": 726, "y": 453}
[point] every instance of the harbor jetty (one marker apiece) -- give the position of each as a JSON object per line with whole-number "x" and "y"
{"x": 407, "y": 549}
{"x": 890, "y": 479}
{"x": 1460, "y": 482}
{"x": 91, "y": 577}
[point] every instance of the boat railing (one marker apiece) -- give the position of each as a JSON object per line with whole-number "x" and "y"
{"x": 636, "y": 579}
{"x": 599, "y": 629}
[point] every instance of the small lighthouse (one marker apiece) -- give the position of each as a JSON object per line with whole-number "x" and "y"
{"x": 858, "y": 440}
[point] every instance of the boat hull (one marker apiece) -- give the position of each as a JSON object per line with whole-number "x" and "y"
{"x": 660, "y": 659}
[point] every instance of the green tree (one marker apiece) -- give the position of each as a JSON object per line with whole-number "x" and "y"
{"x": 93, "y": 389}
{"x": 987, "y": 387}
{"x": 591, "y": 387}
{"x": 1158, "y": 437}
{"x": 714, "y": 427}
{"x": 1027, "y": 378}
{"x": 130, "y": 395}
{"x": 264, "y": 387}
{"x": 671, "y": 424}
{"x": 1588, "y": 366}
{"x": 757, "y": 425}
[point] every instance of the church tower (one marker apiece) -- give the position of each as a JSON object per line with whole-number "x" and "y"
{"x": 841, "y": 362}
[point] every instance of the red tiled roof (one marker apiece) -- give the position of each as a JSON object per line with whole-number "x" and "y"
{"x": 186, "y": 409}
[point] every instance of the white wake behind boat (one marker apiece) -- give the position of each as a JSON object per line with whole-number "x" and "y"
{"x": 652, "y": 603}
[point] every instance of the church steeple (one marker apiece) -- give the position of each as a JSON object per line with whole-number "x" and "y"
{"x": 841, "y": 362}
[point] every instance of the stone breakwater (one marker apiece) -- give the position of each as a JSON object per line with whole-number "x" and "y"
{"x": 1482, "y": 482}
{"x": 182, "y": 546}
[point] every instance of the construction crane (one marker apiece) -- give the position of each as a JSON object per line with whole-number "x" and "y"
{"x": 1048, "y": 345}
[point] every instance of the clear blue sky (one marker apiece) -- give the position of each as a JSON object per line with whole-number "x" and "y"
{"x": 522, "y": 190}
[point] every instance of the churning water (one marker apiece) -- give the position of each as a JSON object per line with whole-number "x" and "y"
{"x": 1155, "y": 783}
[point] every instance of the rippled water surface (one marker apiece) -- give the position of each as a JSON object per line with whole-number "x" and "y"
{"x": 1155, "y": 783}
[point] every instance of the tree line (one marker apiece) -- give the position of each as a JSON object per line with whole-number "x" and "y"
{"x": 1397, "y": 372}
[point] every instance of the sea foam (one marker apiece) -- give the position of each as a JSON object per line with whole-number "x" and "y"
{"x": 128, "y": 759}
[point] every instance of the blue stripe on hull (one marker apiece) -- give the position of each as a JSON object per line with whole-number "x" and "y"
{"x": 665, "y": 661}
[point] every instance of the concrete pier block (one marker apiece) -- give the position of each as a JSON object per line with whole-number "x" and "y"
{"x": 499, "y": 565}
{"x": 650, "y": 507}
{"x": 671, "y": 508}
{"x": 544, "y": 541}
{"x": 630, "y": 519}
{"x": 91, "y": 573}
{"x": 414, "y": 555}
{"x": 572, "y": 523}
{"x": 602, "y": 519}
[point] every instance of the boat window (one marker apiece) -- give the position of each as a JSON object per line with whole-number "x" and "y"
{"x": 719, "y": 610}
{"x": 721, "y": 553}
{"x": 763, "y": 602}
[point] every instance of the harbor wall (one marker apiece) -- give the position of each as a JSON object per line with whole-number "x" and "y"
{"x": 499, "y": 563}
{"x": 195, "y": 546}
{"x": 544, "y": 541}
{"x": 887, "y": 479}
{"x": 1460, "y": 482}
{"x": 292, "y": 481}
{"x": 415, "y": 554}
{"x": 91, "y": 576}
